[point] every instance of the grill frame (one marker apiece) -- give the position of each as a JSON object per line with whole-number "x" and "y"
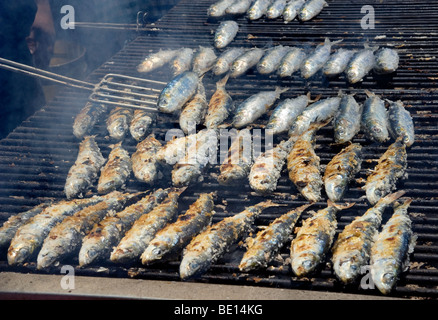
{"x": 46, "y": 139}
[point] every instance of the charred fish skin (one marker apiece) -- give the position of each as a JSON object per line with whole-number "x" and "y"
{"x": 389, "y": 169}
{"x": 347, "y": 121}
{"x": 276, "y": 9}
{"x": 314, "y": 239}
{"x": 255, "y": 106}
{"x": 65, "y": 239}
{"x": 144, "y": 162}
{"x": 203, "y": 60}
{"x": 272, "y": 59}
{"x": 29, "y": 237}
{"x": 291, "y": 62}
{"x": 177, "y": 92}
{"x": 266, "y": 170}
{"x": 225, "y": 33}
{"x": 338, "y": 62}
{"x": 174, "y": 150}
{"x": 316, "y": 112}
{"x": 193, "y": 113}
{"x": 136, "y": 239}
{"x": 375, "y": 118}
{"x": 237, "y": 164}
{"x": 141, "y": 124}
{"x": 391, "y": 249}
{"x": 285, "y": 114}
{"x": 258, "y": 9}
{"x": 97, "y": 245}
{"x": 239, "y": 7}
{"x": 351, "y": 250}
{"x": 87, "y": 118}
{"x": 401, "y": 123}
{"x": 245, "y": 62}
{"x": 116, "y": 171}
{"x": 156, "y": 60}
{"x": 360, "y": 65}
{"x": 218, "y": 8}
{"x": 341, "y": 170}
{"x": 387, "y": 61}
{"x": 220, "y": 106}
{"x": 208, "y": 246}
{"x": 317, "y": 59}
{"x": 10, "y": 226}
{"x": 226, "y": 59}
{"x": 266, "y": 244}
{"x": 183, "y": 61}
{"x": 118, "y": 122}
{"x": 175, "y": 236}
{"x": 291, "y": 10}
{"x": 311, "y": 9}
{"x": 85, "y": 170}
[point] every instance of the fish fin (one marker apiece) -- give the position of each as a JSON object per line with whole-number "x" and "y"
{"x": 281, "y": 90}
{"x": 390, "y": 198}
{"x": 347, "y": 205}
{"x": 337, "y": 41}
{"x": 369, "y": 93}
{"x": 221, "y": 83}
{"x": 405, "y": 204}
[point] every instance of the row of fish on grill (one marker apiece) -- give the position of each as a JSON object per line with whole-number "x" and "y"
{"x": 288, "y": 10}
{"x": 127, "y": 228}
{"x": 282, "y": 60}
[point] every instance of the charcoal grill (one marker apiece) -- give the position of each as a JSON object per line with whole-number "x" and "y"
{"x": 36, "y": 156}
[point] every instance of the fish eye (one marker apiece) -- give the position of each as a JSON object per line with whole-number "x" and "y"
{"x": 157, "y": 251}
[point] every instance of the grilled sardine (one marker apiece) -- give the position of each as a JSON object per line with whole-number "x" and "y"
{"x": 246, "y": 61}
{"x": 142, "y": 123}
{"x": 400, "y": 123}
{"x": 87, "y": 118}
{"x": 156, "y": 60}
{"x": 118, "y": 122}
{"x": 375, "y": 119}
{"x": 144, "y": 160}
{"x": 194, "y": 111}
{"x": 347, "y": 121}
{"x": 225, "y": 33}
{"x": 387, "y": 61}
{"x": 220, "y": 106}
{"x": 317, "y": 59}
{"x": 311, "y": 9}
{"x": 271, "y": 59}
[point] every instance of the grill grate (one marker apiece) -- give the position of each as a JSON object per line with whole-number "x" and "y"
{"x": 35, "y": 158}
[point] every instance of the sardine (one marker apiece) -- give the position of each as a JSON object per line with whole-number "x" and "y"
{"x": 174, "y": 150}
{"x": 303, "y": 166}
{"x": 220, "y": 106}
{"x": 87, "y": 118}
{"x": 275, "y": 9}
{"x": 347, "y": 120}
{"x": 237, "y": 164}
{"x": 64, "y": 240}
{"x": 199, "y": 154}
{"x": 9, "y": 227}
{"x": 85, "y": 170}
{"x": 245, "y": 62}
{"x": 156, "y": 60}
{"x": 352, "y": 248}
{"x": 106, "y": 234}
{"x": 142, "y": 123}
{"x": 314, "y": 239}
{"x": 203, "y": 60}
{"x": 194, "y": 111}
{"x": 258, "y": 9}
{"x": 116, "y": 171}
{"x": 317, "y": 112}
{"x": 387, "y": 61}
{"x": 144, "y": 160}
{"x": 291, "y": 62}
{"x": 266, "y": 244}
{"x": 375, "y": 121}
{"x": 361, "y": 64}
{"x": 144, "y": 229}
{"x": 341, "y": 170}
{"x": 226, "y": 59}
{"x": 271, "y": 59}
{"x": 177, "y": 92}
{"x": 210, "y": 245}
{"x": 286, "y": 112}
{"x": 172, "y": 239}
{"x": 389, "y": 169}
{"x": 311, "y": 9}
{"x": 118, "y": 122}
{"x": 225, "y": 33}
{"x": 390, "y": 252}
{"x": 266, "y": 170}
{"x": 183, "y": 61}
{"x": 30, "y": 236}
{"x": 338, "y": 62}
{"x": 317, "y": 59}
{"x": 239, "y": 7}
{"x": 255, "y": 106}
{"x": 291, "y": 10}
{"x": 218, "y": 8}
{"x": 400, "y": 123}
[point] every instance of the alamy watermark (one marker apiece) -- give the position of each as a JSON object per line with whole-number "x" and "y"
{"x": 68, "y": 281}
{"x": 368, "y": 21}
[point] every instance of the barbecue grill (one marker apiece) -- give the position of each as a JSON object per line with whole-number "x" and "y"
{"x": 36, "y": 156}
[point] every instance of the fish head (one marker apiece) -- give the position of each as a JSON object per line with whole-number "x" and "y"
{"x": 304, "y": 264}
{"x": 347, "y": 270}
{"x": 335, "y": 187}
{"x": 384, "y": 274}
{"x": 353, "y": 75}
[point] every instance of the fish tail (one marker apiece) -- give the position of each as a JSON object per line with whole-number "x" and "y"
{"x": 405, "y": 204}
{"x": 369, "y": 93}
{"x": 347, "y": 205}
{"x": 393, "y": 196}
{"x": 221, "y": 83}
